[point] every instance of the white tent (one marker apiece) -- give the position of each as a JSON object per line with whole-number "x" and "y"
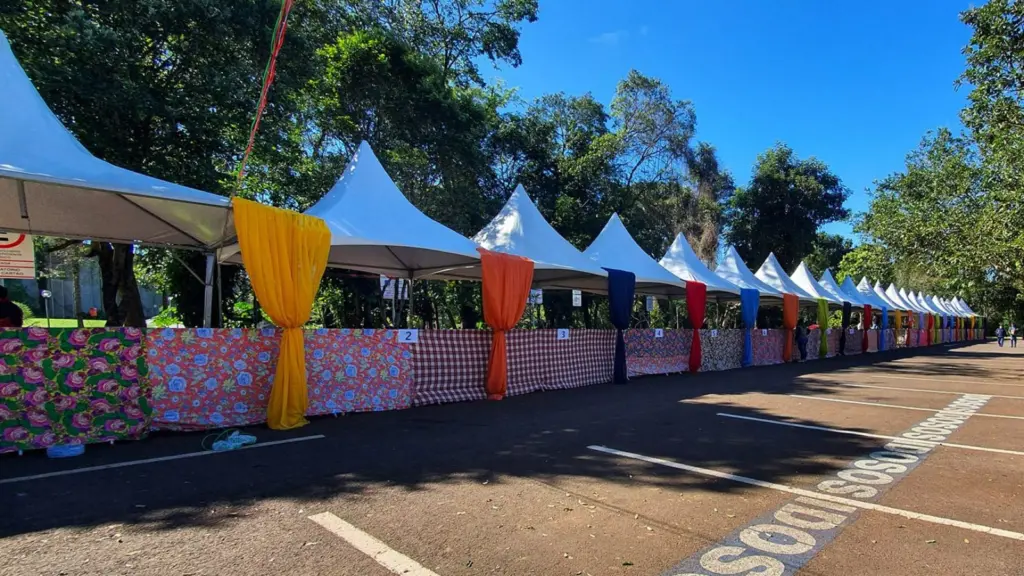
{"x": 520, "y": 229}
{"x": 850, "y": 289}
{"x": 771, "y": 273}
{"x": 735, "y": 271}
{"x": 828, "y": 282}
{"x": 894, "y": 296}
{"x": 803, "y": 278}
{"x": 966, "y": 308}
{"x": 614, "y": 248}
{"x": 374, "y": 228}
{"x": 868, "y": 295}
{"x": 682, "y": 261}
{"x": 52, "y": 186}
{"x": 954, "y": 305}
{"x": 944, "y": 306}
{"x": 923, "y": 302}
{"x": 909, "y": 300}
{"x": 889, "y": 303}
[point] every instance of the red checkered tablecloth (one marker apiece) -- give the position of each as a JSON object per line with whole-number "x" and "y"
{"x": 537, "y": 360}
{"x": 450, "y": 366}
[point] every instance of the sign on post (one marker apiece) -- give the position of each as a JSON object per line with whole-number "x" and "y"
{"x": 387, "y": 285}
{"x": 577, "y": 298}
{"x": 17, "y": 256}
{"x": 650, "y": 303}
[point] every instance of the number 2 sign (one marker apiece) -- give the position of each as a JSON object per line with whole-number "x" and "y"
{"x": 410, "y": 336}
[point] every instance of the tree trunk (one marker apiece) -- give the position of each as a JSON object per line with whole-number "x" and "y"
{"x": 130, "y": 301}
{"x": 104, "y": 254}
{"x": 76, "y": 289}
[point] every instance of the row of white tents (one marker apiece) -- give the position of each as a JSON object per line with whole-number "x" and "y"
{"x": 51, "y": 185}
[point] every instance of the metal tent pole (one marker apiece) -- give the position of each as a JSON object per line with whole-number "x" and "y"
{"x": 208, "y": 293}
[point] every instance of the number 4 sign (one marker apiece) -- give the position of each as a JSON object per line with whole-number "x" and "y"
{"x": 410, "y": 336}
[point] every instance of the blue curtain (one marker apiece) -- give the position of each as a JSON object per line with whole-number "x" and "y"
{"x": 847, "y": 311}
{"x": 921, "y": 325}
{"x": 749, "y": 301}
{"x": 621, "y": 286}
{"x": 885, "y": 325}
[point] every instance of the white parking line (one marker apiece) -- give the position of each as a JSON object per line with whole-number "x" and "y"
{"x": 869, "y": 435}
{"x": 921, "y": 390}
{"x": 152, "y": 460}
{"x": 881, "y": 405}
{"x": 817, "y": 495}
{"x": 940, "y": 380}
{"x": 380, "y": 552}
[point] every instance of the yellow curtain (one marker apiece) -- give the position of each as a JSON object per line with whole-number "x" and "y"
{"x": 285, "y": 254}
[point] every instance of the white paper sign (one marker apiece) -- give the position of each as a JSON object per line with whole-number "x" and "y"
{"x": 563, "y": 334}
{"x": 387, "y": 285}
{"x": 828, "y": 331}
{"x": 410, "y": 336}
{"x": 577, "y": 298}
{"x": 650, "y": 303}
{"x": 851, "y": 330}
{"x": 17, "y": 256}
{"x": 764, "y": 332}
{"x": 659, "y": 333}
{"x": 714, "y": 333}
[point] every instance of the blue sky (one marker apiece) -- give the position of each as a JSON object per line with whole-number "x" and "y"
{"x": 856, "y": 84}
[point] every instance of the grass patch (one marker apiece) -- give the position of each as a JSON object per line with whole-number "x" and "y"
{"x": 63, "y": 323}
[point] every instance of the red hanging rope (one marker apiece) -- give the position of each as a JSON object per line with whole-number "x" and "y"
{"x": 268, "y": 79}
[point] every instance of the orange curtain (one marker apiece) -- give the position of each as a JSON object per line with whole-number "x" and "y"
{"x": 789, "y": 311}
{"x": 506, "y": 288}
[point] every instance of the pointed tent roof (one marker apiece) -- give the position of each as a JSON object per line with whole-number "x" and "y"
{"x": 927, "y": 303}
{"x": 829, "y": 284}
{"x": 771, "y": 273}
{"x": 850, "y": 289}
{"x": 944, "y": 305}
{"x": 909, "y": 300}
{"x": 374, "y": 228}
{"x": 615, "y": 248}
{"x": 922, "y": 303}
{"x": 63, "y": 190}
{"x": 889, "y": 303}
{"x": 895, "y": 298}
{"x": 682, "y": 261}
{"x": 966, "y": 308}
{"x": 520, "y": 229}
{"x": 868, "y": 295}
{"x": 734, "y": 270}
{"x": 803, "y": 278}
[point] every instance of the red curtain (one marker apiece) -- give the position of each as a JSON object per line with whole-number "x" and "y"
{"x": 867, "y": 326}
{"x": 929, "y": 320}
{"x": 506, "y": 288}
{"x": 696, "y": 298}
{"x": 790, "y": 306}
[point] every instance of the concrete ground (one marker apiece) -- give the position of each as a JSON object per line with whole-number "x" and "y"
{"x": 667, "y": 475}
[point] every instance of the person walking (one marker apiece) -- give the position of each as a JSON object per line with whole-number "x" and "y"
{"x": 1013, "y": 336}
{"x": 1000, "y": 334}
{"x": 801, "y": 339}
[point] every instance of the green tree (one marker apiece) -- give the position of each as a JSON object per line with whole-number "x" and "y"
{"x": 995, "y": 117}
{"x": 829, "y": 251}
{"x": 871, "y": 260}
{"x": 783, "y": 206}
